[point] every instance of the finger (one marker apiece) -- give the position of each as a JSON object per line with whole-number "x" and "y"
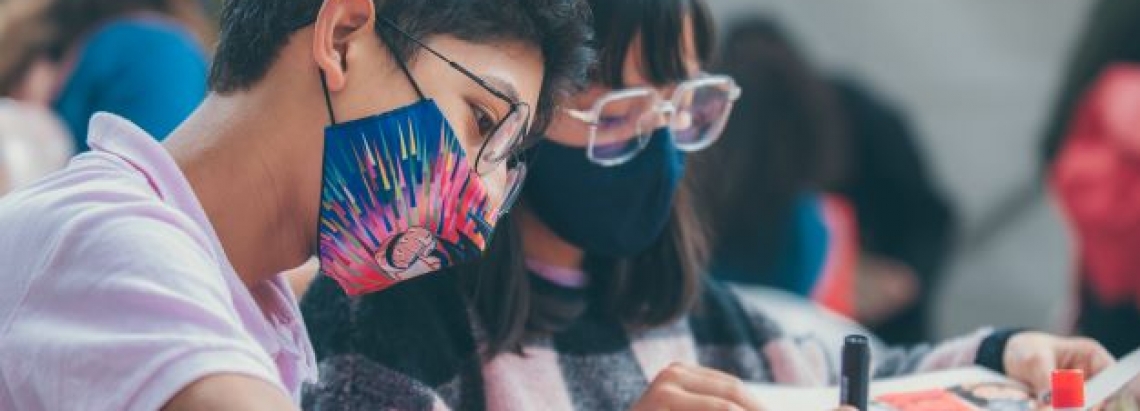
{"x": 1083, "y": 354}
{"x": 728, "y": 386}
{"x": 1037, "y": 370}
{"x": 677, "y": 399}
{"x": 1099, "y": 358}
{"x": 712, "y": 383}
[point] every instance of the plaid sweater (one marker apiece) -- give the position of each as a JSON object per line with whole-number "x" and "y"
{"x": 416, "y": 347}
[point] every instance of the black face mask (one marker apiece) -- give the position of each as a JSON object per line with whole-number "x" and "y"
{"x": 607, "y": 211}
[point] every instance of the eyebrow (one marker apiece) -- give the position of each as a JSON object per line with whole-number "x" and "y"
{"x": 502, "y": 86}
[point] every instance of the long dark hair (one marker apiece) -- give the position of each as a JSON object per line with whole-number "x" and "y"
{"x": 651, "y": 289}
{"x": 785, "y": 137}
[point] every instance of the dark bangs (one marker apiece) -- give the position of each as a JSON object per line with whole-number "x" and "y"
{"x": 660, "y": 23}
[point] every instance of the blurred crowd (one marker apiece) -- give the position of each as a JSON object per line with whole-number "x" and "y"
{"x": 818, "y": 186}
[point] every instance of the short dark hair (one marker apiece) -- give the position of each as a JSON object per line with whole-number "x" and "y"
{"x": 653, "y": 288}
{"x": 253, "y": 32}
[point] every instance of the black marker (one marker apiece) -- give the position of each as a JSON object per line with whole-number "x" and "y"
{"x": 855, "y": 375}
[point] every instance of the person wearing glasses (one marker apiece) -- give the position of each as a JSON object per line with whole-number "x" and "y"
{"x": 592, "y": 295}
{"x": 146, "y": 275}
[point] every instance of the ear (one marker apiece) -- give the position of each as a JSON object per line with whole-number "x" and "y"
{"x": 338, "y": 22}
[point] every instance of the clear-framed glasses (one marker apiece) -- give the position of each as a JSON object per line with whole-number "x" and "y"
{"x": 503, "y": 139}
{"x": 501, "y": 143}
{"x": 621, "y": 122}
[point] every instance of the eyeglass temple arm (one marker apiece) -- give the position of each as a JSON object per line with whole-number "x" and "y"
{"x": 450, "y": 62}
{"x": 582, "y": 116}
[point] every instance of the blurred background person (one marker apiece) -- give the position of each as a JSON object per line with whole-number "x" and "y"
{"x": 1096, "y": 177}
{"x": 826, "y": 194}
{"x": 145, "y": 60}
{"x": 213, "y": 8}
{"x": 1110, "y": 36}
{"x": 33, "y": 143}
{"x": 1091, "y": 152}
{"x": 33, "y": 140}
{"x": 762, "y": 186}
{"x": 906, "y": 225}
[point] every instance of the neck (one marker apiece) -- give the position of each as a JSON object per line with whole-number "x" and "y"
{"x": 251, "y": 158}
{"x": 540, "y": 243}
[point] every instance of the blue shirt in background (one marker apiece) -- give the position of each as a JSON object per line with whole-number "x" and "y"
{"x": 146, "y": 69}
{"x": 803, "y": 252}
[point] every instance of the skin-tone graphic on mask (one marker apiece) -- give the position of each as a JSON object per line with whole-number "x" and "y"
{"x": 410, "y": 251}
{"x": 399, "y": 200}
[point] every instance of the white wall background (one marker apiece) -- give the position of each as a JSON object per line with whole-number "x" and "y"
{"x": 978, "y": 79}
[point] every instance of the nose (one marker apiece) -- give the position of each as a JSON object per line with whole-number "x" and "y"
{"x": 682, "y": 120}
{"x": 660, "y": 117}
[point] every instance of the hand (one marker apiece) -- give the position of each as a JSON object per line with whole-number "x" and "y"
{"x": 682, "y": 387}
{"x": 1031, "y": 357}
{"x": 884, "y": 288}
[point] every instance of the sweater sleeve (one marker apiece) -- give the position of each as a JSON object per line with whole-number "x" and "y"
{"x": 803, "y": 345}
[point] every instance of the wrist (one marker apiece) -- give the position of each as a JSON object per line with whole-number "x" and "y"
{"x": 991, "y": 352}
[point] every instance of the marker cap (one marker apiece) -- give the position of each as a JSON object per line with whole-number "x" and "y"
{"x": 1068, "y": 389}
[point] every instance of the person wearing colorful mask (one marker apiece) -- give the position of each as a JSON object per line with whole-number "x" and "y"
{"x": 592, "y": 295}
{"x": 382, "y": 136}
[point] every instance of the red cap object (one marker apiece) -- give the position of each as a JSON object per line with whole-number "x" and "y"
{"x": 1068, "y": 389}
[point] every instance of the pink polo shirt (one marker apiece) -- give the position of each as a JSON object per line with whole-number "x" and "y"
{"x": 116, "y": 292}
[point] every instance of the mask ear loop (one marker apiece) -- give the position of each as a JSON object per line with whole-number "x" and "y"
{"x": 328, "y": 98}
{"x": 399, "y": 61}
{"x": 403, "y": 64}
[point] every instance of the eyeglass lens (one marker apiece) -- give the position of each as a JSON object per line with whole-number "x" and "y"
{"x": 623, "y": 124}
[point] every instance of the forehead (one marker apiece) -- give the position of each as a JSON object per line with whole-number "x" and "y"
{"x": 503, "y": 63}
{"x": 634, "y": 69}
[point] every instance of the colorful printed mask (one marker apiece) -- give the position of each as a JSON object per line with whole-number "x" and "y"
{"x": 399, "y": 199}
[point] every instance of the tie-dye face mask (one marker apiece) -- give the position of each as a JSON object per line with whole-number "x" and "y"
{"x": 399, "y": 199}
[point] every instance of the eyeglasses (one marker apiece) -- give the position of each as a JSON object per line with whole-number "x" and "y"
{"x": 622, "y": 121}
{"x": 503, "y": 139}
{"x": 501, "y": 142}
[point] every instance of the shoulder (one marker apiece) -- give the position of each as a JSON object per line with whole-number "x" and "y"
{"x": 93, "y": 224}
{"x": 132, "y": 282}
{"x": 98, "y": 196}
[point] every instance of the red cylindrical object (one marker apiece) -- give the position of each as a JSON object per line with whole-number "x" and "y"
{"x": 1068, "y": 389}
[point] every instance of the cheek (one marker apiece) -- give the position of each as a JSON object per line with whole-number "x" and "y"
{"x": 458, "y": 116}
{"x": 568, "y": 131}
{"x": 495, "y": 182}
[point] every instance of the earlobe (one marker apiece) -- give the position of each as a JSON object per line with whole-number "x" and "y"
{"x": 338, "y": 22}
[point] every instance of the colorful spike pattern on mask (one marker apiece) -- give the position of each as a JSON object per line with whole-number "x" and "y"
{"x": 387, "y": 175}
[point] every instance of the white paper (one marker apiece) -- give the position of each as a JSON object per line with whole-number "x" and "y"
{"x": 786, "y": 398}
{"x": 1113, "y": 379}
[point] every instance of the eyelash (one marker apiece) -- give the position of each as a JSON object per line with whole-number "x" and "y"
{"x": 478, "y": 112}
